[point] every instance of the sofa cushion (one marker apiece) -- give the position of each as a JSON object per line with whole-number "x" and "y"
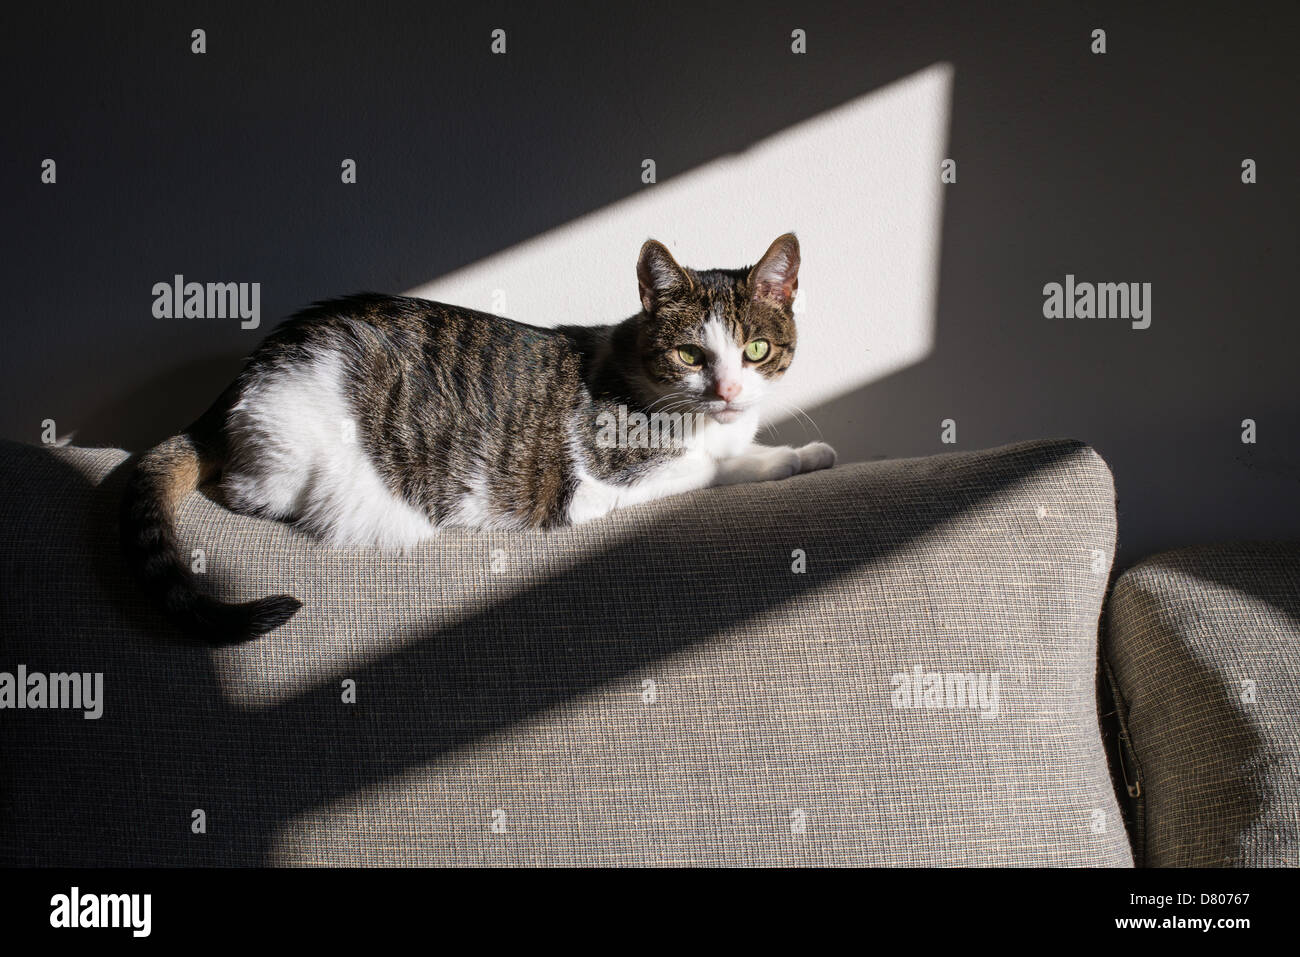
{"x": 735, "y": 676}
{"x": 1204, "y": 648}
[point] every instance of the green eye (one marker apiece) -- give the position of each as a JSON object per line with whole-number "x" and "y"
{"x": 691, "y": 355}
{"x": 757, "y": 350}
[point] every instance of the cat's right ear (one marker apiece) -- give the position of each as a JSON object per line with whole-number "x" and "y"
{"x": 659, "y": 276}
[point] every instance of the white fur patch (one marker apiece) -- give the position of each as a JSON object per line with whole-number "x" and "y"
{"x": 722, "y": 349}
{"x": 474, "y": 509}
{"x": 726, "y": 362}
{"x": 297, "y": 454}
{"x": 720, "y": 440}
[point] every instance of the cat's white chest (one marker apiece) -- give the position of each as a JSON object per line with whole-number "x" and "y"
{"x": 718, "y": 440}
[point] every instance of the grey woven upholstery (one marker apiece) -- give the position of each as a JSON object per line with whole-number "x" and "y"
{"x": 1204, "y": 646}
{"x": 658, "y": 687}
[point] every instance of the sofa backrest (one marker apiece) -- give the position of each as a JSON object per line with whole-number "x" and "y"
{"x": 886, "y": 663}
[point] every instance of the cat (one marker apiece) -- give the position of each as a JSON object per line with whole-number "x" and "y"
{"x": 375, "y": 420}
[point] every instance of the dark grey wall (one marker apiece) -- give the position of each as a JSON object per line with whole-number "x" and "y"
{"x": 1119, "y": 167}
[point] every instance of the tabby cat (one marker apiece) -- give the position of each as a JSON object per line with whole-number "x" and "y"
{"x": 377, "y": 419}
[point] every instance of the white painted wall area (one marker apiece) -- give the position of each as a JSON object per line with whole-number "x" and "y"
{"x": 860, "y": 186}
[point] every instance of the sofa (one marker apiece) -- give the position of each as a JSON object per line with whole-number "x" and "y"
{"x": 912, "y": 662}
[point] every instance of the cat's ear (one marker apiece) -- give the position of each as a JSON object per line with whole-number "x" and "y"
{"x": 776, "y": 276}
{"x": 659, "y": 276}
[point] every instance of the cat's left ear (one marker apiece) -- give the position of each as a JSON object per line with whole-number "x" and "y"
{"x": 776, "y": 276}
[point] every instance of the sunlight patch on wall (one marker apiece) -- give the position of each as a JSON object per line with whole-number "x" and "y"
{"x": 860, "y": 186}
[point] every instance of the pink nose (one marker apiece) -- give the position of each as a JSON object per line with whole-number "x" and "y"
{"x": 727, "y": 390}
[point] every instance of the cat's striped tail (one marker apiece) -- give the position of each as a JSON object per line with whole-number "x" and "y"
{"x": 162, "y": 478}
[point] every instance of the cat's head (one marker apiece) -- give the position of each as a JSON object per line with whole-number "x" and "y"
{"x": 715, "y": 341}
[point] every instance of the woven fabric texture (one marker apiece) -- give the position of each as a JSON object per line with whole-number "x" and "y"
{"x": 1204, "y": 646}
{"x": 725, "y": 677}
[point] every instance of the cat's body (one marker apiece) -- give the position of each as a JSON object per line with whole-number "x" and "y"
{"x": 376, "y": 420}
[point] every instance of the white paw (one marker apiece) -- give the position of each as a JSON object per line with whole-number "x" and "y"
{"x": 777, "y": 464}
{"x": 591, "y": 500}
{"x": 815, "y": 456}
{"x": 765, "y": 465}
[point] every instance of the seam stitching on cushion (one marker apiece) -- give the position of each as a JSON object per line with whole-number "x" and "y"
{"x": 1127, "y": 751}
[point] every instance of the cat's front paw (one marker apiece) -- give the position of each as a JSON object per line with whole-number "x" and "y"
{"x": 776, "y": 464}
{"x": 815, "y": 456}
{"x": 591, "y": 500}
{"x": 759, "y": 465}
